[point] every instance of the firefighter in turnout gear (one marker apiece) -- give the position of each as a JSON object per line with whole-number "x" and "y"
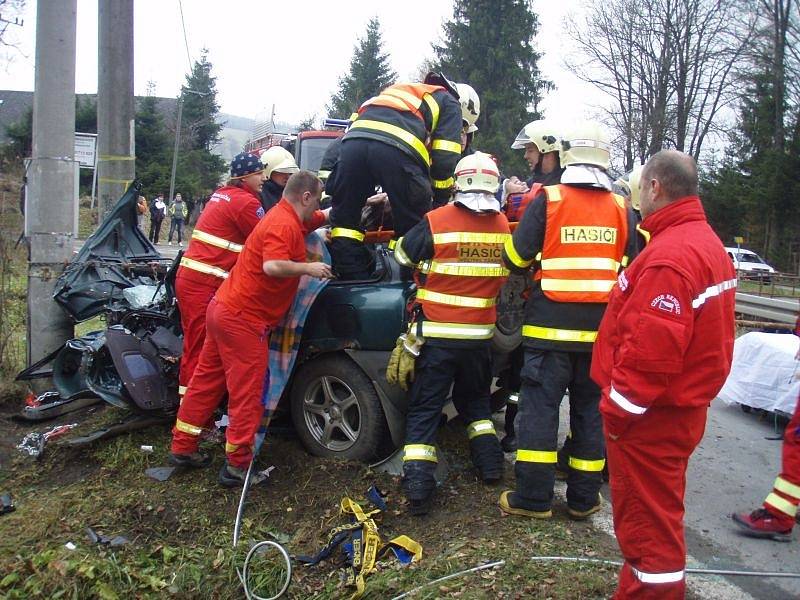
{"x": 407, "y": 140}
{"x": 576, "y": 237}
{"x": 278, "y": 167}
{"x": 457, "y": 252}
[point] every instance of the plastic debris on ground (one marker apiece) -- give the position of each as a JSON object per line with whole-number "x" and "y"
{"x": 142, "y": 296}
{"x": 148, "y": 449}
{"x": 34, "y": 442}
{"x": 70, "y": 546}
{"x": 96, "y": 538}
{"x": 6, "y": 504}
{"x": 160, "y": 473}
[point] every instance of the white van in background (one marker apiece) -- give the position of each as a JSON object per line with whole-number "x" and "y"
{"x": 750, "y": 265}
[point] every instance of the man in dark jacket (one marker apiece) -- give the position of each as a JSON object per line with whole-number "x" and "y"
{"x": 279, "y": 165}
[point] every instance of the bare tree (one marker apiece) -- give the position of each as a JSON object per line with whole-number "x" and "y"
{"x": 9, "y": 11}
{"x": 667, "y": 66}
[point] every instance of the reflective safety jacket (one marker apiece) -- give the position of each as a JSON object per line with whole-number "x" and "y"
{"x": 227, "y": 219}
{"x": 422, "y": 120}
{"x": 667, "y": 336}
{"x": 463, "y": 271}
{"x": 577, "y": 239}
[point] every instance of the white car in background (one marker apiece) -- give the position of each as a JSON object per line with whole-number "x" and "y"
{"x": 750, "y": 265}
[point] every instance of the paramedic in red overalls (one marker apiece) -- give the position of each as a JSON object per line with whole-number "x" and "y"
{"x": 776, "y": 517}
{"x": 228, "y": 218}
{"x": 250, "y": 302}
{"x": 663, "y": 351}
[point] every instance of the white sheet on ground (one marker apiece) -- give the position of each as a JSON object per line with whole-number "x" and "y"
{"x": 765, "y": 373}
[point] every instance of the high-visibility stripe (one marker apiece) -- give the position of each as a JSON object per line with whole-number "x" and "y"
{"x": 577, "y": 285}
{"x": 216, "y": 241}
{"x": 231, "y": 447}
{"x": 625, "y": 261}
{"x": 196, "y": 265}
{"x": 468, "y": 237}
{"x": 626, "y": 404}
{"x": 538, "y": 456}
{"x": 484, "y": 427}
{"x": 453, "y": 300}
{"x": 187, "y": 427}
{"x": 513, "y": 399}
{"x": 434, "y": 108}
{"x": 465, "y": 269}
{"x": 400, "y": 255}
{"x": 443, "y": 184}
{"x": 713, "y": 290}
{"x": 592, "y": 466}
{"x": 467, "y": 331}
{"x": 323, "y": 174}
{"x": 782, "y": 504}
{"x": 514, "y": 256}
{"x": 447, "y": 146}
{"x": 672, "y": 577}
{"x": 568, "y": 264}
{"x": 181, "y": 390}
{"x": 787, "y": 488}
{"x": 644, "y": 233}
{"x": 354, "y": 234}
{"x": 392, "y": 244}
{"x": 553, "y": 193}
{"x": 398, "y": 132}
{"x": 559, "y": 335}
{"x": 419, "y": 452}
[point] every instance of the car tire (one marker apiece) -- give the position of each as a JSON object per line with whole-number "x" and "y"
{"x": 336, "y": 410}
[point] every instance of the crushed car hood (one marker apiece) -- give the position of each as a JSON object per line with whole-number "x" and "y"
{"x": 117, "y": 256}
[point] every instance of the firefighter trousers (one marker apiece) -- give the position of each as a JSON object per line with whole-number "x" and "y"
{"x": 364, "y": 164}
{"x": 193, "y": 299}
{"x": 468, "y": 370}
{"x": 785, "y": 496}
{"x": 648, "y": 481}
{"x": 546, "y": 375}
{"x": 235, "y": 358}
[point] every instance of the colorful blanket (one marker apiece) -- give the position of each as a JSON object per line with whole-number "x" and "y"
{"x": 284, "y": 341}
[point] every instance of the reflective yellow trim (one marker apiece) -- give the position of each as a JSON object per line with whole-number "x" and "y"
{"x": 392, "y": 244}
{"x": 434, "y": 108}
{"x": 231, "y": 447}
{"x": 566, "y": 264}
{"x": 216, "y": 241}
{"x": 447, "y": 146}
{"x": 398, "y": 132}
{"x": 553, "y": 193}
{"x": 400, "y": 255}
{"x": 453, "y": 300}
{"x": 538, "y": 456}
{"x": 323, "y": 174}
{"x": 513, "y": 399}
{"x": 187, "y": 427}
{"x": 782, "y": 504}
{"x": 593, "y": 466}
{"x": 559, "y": 335}
{"x": 443, "y": 184}
{"x": 577, "y": 285}
{"x": 619, "y": 200}
{"x": 787, "y": 488}
{"x": 403, "y": 95}
{"x": 464, "y": 269}
{"x": 468, "y": 237}
{"x": 181, "y": 390}
{"x": 419, "y": 452}
{"x": 196, "y": 265}
{"x": 514, "y": 256}
{"x": 644, "y": 233}
{"x": 348, "y": 233}
{"x": 462, "y": 331}
{"x": 625, "y": 261}
{"x": 484, "y": 427}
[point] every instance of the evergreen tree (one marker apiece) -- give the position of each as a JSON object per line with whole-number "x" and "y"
{"x": 370, "y": 72}
{"x": 153, "y": 146}
{"x": 489, "y": 45}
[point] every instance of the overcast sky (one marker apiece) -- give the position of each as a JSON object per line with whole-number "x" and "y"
{"x": 287, "y": 53}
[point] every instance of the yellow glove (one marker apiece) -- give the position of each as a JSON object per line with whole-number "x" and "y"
{"x": 394, "y": 361}
{"x": 405, "y": 370}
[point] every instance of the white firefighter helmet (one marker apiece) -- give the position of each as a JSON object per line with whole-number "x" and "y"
{"x": 629, "y": 183}
{"x": 470, "y": 105}
{"x": 586, "y": 144}
{"x": 278, "y": 160}
{"x": 542, "y": 134}
{"x": 477, "y": 173}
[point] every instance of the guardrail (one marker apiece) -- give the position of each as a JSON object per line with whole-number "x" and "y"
{"x": 776, "y": 310}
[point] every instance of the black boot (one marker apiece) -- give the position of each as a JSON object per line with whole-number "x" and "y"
{"x": 419, "y": 485}
{"x": 509, "y": 442}
{"x": 487, "y": 457}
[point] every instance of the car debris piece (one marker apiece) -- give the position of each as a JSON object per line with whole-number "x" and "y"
{"x": 6, "y": 504}
{"x": 132, "y": 422}
{"x": 160, "y": 473}
{"x": 51, "y": 405}
{"x": 34, "y": 442}
{"x": 96, "y": 538}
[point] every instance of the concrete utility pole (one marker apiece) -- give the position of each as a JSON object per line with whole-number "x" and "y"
{"x": 115, "y": 104}
{"x": 49, "y": 217}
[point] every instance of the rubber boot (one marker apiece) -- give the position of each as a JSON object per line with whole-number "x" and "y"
{"x": 509, "y": 442}
{"x": 487, "y": 457}
{"x": 419, "y": 485}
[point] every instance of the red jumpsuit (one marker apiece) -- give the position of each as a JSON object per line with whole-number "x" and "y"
{"x": 226, "y": 221}
{"x": 782, "y": 502}
{"x": 235, "y": 353}
{"x": 663, "y": 351}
